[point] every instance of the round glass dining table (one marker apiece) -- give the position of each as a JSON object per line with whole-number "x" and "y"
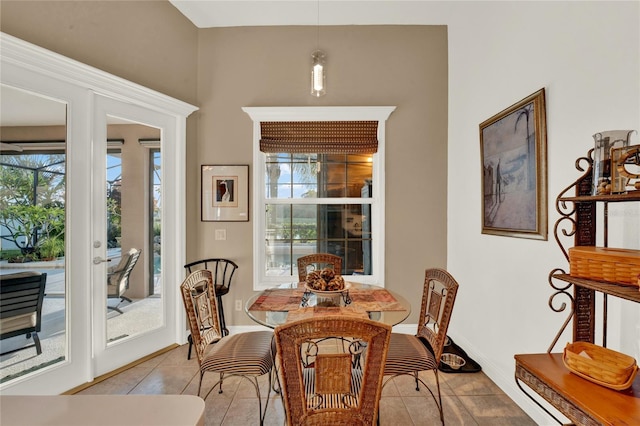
{"x": 291, "y": 301}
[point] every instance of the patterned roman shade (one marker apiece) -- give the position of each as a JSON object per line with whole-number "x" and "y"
{"x": 323, "y": 137}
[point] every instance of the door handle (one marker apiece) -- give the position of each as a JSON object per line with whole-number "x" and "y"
{"x": 98, "y": 260}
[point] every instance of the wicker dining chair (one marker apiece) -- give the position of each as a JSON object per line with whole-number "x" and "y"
{"x": 408, "y": 354}
{"x": 331, "y": 390}
{"x": 248, "y": 355}
{"x": 317, "y": 261}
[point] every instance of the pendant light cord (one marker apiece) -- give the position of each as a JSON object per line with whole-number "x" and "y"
{"x": 318, "y": 26}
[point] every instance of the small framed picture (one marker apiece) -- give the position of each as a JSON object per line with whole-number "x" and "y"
{"x": 625, "y": 169}
{"x": 225, "y": 193}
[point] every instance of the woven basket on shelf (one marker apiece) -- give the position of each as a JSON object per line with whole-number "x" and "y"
{"x": 620, "y": 266}
{"x": 600, "y": 365}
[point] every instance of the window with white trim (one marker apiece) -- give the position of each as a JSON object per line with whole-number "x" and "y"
{"x": 318, "y": 186}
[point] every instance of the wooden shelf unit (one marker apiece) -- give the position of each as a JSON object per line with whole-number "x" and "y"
{"x": 583, "y": 402}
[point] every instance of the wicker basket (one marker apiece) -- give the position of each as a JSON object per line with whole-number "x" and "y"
{"x": 600, "y": 365}
{"x": 620, "y": 266}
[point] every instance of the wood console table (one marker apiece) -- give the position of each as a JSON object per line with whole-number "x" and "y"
{"x": 583, "y": 402}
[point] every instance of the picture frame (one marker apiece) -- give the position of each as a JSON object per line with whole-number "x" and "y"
{"x": 625, "y": 169}
{"x": 225, "y": 193}
{"x": 513, "y": 149}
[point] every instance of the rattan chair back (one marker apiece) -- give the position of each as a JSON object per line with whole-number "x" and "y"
{"x": 409, "y": 355}
{"x": 438, "y": 297}
{"x": 340, "y": 387}
{"x": 199, "y": 297}
{"x": 316, "y": 262}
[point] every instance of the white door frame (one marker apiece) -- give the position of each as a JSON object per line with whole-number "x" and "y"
{"x": 32, "y": 68}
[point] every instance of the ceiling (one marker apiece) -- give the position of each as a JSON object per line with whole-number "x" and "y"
{"x": 28, "y": 109}
{"x": 238, "y": 13}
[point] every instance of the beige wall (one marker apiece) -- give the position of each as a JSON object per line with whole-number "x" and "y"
{"x": 402, "y": 66}
{"x": 147, "y": 42}
{"x": 152, "y": 44}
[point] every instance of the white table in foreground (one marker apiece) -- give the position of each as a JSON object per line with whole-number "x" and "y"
{"x": 101, "y": 410}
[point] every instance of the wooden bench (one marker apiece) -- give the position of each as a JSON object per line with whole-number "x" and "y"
{"x": 21, "y": 297}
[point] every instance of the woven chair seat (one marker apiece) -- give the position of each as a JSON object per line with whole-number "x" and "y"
{"x": 333, "y": 400}
{"x": 407, "y": 353}
{"x": 243, "y": 353}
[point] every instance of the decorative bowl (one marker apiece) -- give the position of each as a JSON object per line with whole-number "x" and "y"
{"x": 347, "y": 286}
{"x": 452, "y": 360}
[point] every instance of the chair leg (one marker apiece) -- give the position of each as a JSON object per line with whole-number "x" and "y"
{"x": 115, "y": 308}
{"x": 190, "y": 339}
{"x": 440, "y": 407}
{"x": 223, "y": 323}
{"x": 200, "y": 382}
{"x": 36, "y": 340}
{"x": 417, "y": 381}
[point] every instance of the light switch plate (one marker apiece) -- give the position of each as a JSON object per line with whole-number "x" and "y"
{"x": 221, "y": 234}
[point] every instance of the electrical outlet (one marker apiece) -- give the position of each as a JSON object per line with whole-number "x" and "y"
{"x": 238, "y": 305}
{"x": 221, "y": 234}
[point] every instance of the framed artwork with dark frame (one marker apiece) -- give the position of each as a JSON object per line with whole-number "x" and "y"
{"x": 225, "y": 193}
{"x": 513, "y": 149}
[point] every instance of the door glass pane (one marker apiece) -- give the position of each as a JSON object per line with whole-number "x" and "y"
{"x": 32, "y": 233}
{"x": 156, "y": 219}
{"x": 134, "y": 296}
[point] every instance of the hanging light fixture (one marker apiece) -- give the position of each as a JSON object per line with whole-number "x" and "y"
{"x": 318, "y": 60}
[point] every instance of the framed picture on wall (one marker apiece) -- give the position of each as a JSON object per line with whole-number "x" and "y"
{"x": 514, "y": 170}
{"x": 225, "y": 193}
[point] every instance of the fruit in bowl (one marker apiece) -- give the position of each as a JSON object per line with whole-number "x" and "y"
{"x": 325, "y": 280}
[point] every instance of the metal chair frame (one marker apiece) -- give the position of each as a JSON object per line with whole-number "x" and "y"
{"x": 222, "y": 272}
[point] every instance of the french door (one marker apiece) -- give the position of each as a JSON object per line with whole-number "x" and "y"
{"x": 119, "y": 151}
{"x": 134, "y": 306}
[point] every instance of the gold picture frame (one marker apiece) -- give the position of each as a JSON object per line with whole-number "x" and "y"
{"x": 513, "y": 150}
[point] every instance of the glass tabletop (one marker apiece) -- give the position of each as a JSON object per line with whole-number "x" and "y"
{"x": 278, "y": 305}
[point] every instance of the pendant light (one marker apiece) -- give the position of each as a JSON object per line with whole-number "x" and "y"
{"x": 318, "y": 60}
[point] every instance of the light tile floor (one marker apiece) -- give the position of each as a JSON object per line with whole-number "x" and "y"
{"x": 469, "y": 398}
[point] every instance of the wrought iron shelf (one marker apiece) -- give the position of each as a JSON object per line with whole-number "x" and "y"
{"x": 631, "y": 196}
{"x": 631, "y": 293}
{"x": 577, "y": 226}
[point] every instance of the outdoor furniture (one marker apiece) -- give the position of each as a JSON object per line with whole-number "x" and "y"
{"x": 316, "y": 262}
{"x": 118, "y": 277}
{"x": 248, "y": 355}
{"x": 222, "y": 271}
{"x": 21, "y": 297}
{"x": 408, "y": 355}
{"x": 336, "y": 388}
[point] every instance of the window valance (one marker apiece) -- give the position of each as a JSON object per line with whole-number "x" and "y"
{"x": 324, "y": 137}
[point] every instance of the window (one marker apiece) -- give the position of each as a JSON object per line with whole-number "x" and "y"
{"x": 308, "y": 202}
